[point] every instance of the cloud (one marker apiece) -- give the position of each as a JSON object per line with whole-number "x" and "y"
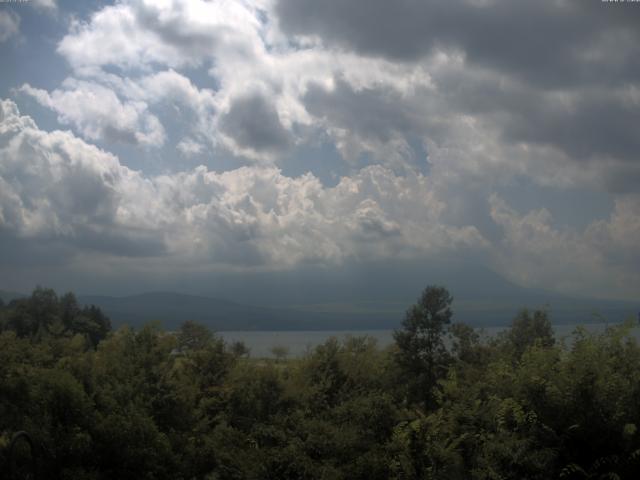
{"x": 252, "y": 65}
{"x": 618, "y": 236}
{"x": 569, "y": 94}
{"x": 45, "y": 5}
{"x": 58, "y": 188}
{"x": 585, "y": 125}
{"x": 444, "y": 103}
{"x": 140, "y": 34}
{"x": 9, "y": 25}
{"x": 174, "y": 97}
{"x": 61, "y": 193}
{"x": 377, "y": 120}
{"x": 98, "y": 113}
{"x": 376, "y": 78}
{"x": 189, "y": 147}
{"x": 252, "y": 124}
{"x": 601, "y": 260}
{"x": 55, "y": 187}
{"x": 547, "y": 42}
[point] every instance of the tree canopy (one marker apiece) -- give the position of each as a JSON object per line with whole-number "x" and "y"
{"x": 151, "y": 404}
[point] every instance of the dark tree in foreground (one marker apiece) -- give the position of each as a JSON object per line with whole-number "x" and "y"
{"x": 421, "y": 351}
{"x": 147, "y": 404}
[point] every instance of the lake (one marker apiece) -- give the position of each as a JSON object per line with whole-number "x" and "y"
{"x": 299, "y": 342}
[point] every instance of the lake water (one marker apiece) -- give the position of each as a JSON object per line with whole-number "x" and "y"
{"x": 299, "y": 342}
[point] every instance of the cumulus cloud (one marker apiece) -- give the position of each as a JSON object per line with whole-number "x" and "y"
{"x": 195, "y": 107}
{"x": 139, "y": 34}
{"x": 98, "y": 113}
{"x": 618, "y": 236}
{"x": 547, "y": 42}
{"x": 601, "y": 260}
{"x": 252, "y": 124}
{"x": 475, "y": 95}
{"x": 570, "y": 90}
{"x": 375, "y": 77}
{"x": 56, "y": 186}
{"x": 259, "y": 108}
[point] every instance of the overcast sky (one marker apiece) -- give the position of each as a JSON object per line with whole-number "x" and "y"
{"x": 165, "y": 140}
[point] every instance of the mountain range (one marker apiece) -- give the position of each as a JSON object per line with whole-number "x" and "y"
{"x": 372, "y": 296}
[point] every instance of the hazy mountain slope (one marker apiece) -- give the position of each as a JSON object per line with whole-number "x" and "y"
{"x": 171, "y": 309}
{"x": 336, "y": 301}
{"x": 356, "y": 297}
{"x": 378, "y": 294}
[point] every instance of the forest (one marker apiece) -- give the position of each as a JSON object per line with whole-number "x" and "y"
{"x": 443, "y": 402}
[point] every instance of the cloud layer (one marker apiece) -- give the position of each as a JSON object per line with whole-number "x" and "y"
{"x": 424, "y": 114}
{"x": 56, "y": 186}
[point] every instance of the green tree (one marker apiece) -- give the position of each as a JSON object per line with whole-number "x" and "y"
{"x": 466, "y": 345}
{"x": 194, "y": 336}
{"x": 528, "y": 329}
{"x": 239, "y": 349}
{"x": 421, "y": 350}
{"x": 33, "y": 316}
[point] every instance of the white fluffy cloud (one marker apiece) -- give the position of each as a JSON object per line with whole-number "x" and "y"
{"x": 276, "y": 89}
{"x": 602, "y": 259}
{"x": 257, "y": 69}
{"x": 98, "y": 113}
{"x": 122, "y": 109}
{"x": 138, "y": 34}
{"x": 57, "y": 186}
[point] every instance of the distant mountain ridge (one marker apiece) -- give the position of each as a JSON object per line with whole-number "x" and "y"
{"x": 372, "y": 296}
{"x": 171, "y": 309}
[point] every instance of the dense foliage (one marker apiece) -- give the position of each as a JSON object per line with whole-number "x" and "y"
{"x": 441, "y": 403}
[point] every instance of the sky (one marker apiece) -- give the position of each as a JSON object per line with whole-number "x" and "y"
{"x": 160, "y": 144}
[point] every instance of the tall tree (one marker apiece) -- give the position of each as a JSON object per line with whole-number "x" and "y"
{"x": 421, "y": 351}
{"x": 528, "y": 329}
{"x": 194, "y": 336}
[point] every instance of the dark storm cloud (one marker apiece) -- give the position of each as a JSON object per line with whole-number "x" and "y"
{"x": 585, "y": 124}
{"x": 253, "y": 123}
{"x": 545, "y": 42}
{"x": 369, "y": 112}
{"x": 622, "y": 179}
{"x": 592, "y": 126}
{"x": 379, "y": 113}
{"x": 551, "y": 73}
